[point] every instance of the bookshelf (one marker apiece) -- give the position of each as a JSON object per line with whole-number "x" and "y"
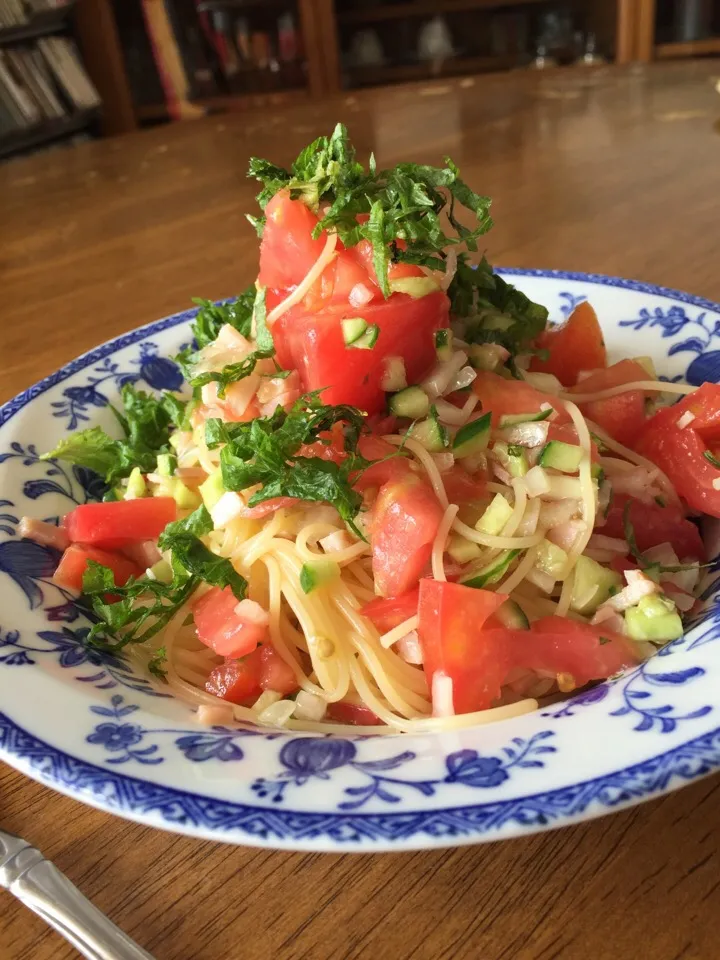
{"x": 45, "y": 94}
{"x": 678, "y": 30}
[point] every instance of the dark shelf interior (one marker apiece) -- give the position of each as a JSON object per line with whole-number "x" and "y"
{"x": 42, "y": 24}
{"x": 46, "y": 133}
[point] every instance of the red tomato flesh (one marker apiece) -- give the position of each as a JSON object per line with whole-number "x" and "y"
{"x": 621, "y": 416}
{"x": 353, "y": 713}
{"x": 503, "y": 396}
{"x": 74, "y": 561}
{"x": 405, "y": 521}
{"x": 313, "y": 344}
{"x": 221, "y": 628}
{"x": 680, "y": 453}
{"x": 110, "y": 525}
{"x": 574, "y": 346}
{"x": 287, "y": 250}
{"x": 451, "y": 620}
{"x": 389, "y": 612}
{"x": 237, "y": 681}
{"x": 275, "y": 674}
{"x": 653, "y": 525}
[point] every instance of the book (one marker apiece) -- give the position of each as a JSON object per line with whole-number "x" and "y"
{"x": 24, "y": 70}
{"x": 24, "y": 100}
{"x": 196, "y": 52}
{"x": 64, "y": 61}
{"x": 169, "y": 62}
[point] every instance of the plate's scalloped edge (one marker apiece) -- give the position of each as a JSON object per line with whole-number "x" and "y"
{"x": 186, "y": 812}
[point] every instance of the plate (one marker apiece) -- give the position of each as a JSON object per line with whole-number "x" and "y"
{"x": 85, "y": 724}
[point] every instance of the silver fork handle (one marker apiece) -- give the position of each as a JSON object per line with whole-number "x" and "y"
{"x": 48, "y": 892}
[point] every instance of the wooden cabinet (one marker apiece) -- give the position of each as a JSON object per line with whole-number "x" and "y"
{"x": 678, "y": 29}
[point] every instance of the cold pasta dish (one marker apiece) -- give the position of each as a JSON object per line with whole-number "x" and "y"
{"x": 390, "y": 498}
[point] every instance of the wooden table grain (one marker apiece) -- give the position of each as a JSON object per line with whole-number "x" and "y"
{"x": 614, "y": 171}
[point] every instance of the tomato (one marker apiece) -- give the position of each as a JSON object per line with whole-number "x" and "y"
{"x": 275, "y": 674}
{"x": 287, "y": 251}
{"x": 463, "y": 487}
{"x": 237, "y": 681}
{"x": 574, "y": 346}
{"x": 354, "y": 713}
{"x": 478, "y": 660}
{"x": 391, "y": 466}
{"x": 450, "y": 632}
{"x": 74, "y": 561}
{"x": 222, "y": 628}
{"x": 405, "y": 521}
{"x": 704, "y": 404}
{"x": 389, "y": 612}
{"x": 680, "y": 453}
{"x": 653, "y": 524}
{"x": 313, "y": 344}
{"x": 621, "y": 416}
{"x": 117, "y": 523}
{"x": 267, "y": 507}
{"x": 503, "y": 396}
{"x": 330, "y": 445}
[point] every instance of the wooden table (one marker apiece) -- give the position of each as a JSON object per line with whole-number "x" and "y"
{"x": 609, "y": 171}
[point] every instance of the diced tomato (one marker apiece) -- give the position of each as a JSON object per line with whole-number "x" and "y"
{"x": 275, "y": 674}
{"x": 405, "y": 521}
{"x": 287, "y": 251}
{"x": 267, "y": 507}
{"x": 220, "y": 627}
{"x": 450, "y": 632}
{"x": 704, "y": 404}
{"x": 391, "y": 466}
{"x": 389, "y": 612}
{"x": 463, "y": 487}
{"x": 503, "y": 396}
{"x": 653, "y": 524}
{"x": 237, "y": 681}
{"x": 574, "y": 346}
{"x": 330, "y": 445}
{"x": 114, "y": 524}
{"x": 621, "y": 416}
{"x": 354, "y": 713}
{"x": 313, "y": 344}
{"x": 74, "y": 561}
{"x": 680, "y": 453}
{"x": 478, "y": 660}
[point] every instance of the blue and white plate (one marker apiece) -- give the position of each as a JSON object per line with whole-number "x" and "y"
{"x": 86, "y": 724}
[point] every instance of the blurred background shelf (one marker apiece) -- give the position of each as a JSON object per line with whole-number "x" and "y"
{"x": 423, "y": 8}
{"x": 688, "y": 48}
{"x": 675, "y": 29}
{"x": 39, "y": 24}
{"x": 406, "y": 73}
{"x": 48, "y": 133}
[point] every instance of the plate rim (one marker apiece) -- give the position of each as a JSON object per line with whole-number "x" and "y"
{"x": 306, "y": 830}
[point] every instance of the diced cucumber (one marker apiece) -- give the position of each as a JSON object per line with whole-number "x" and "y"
{"x": 512, "y": 419}
{"x": 368, "y": 340}
{"x": 431, "y": 433}
{"x": 592, "y": 585}
{"x": 512, "y": 616}
{"x": 185, "y": 498}
{"x": 513, "y": 459}
{"x": 486, "y": 356}
{"x": 161, "y": 571}
{"x": 495, "y": 517}
{"x": 443, "y": 344}
{"x": 166, "y": 464}
{"x": 597, "y": 472}
{"x": 473, "y": 437}
{"x": 562, "y": 456}
{"x": 491, "y": 572}
{"x": 655, "y": 619}
{"x": 317, "y": 574}
{"x": 212, "y": 489}
{"x": 412, "y": 402}
{"x": 462, "y": 550}
{"x": 551, "y": 559}
{"x": 353, "y": 329}
{"x": 414, "y": 287}
{"x": 136, "y": 486}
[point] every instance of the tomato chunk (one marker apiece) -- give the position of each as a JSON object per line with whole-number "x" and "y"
{"x": 223, "y": 627}
{"x": 680, "y": 453}
{"x": 405, "y": 521}
{"x": 389, "y": 612}
{"x": 115, "y": 524}
{"x": 287, "y": 251}
{"x": 353, "y": 713}
{"x": 653, "y": 525}
{"x": 451, "y": 620}
{"x": 574, "y": 346}
{"x": 621, "y": 416}
{"x": 503, "y": 396}
{"x": 313, "y": 344}
{"x": 275, "y": 674}
{"x": 74, "y": 561}
{"x": 237, "y": 681}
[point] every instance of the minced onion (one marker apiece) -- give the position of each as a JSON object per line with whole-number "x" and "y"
{"x": 408, "y": 647}
{"x": 334, "y": 542}
{"x": 685, "y": 420}
{"x": 394, "y": 377}
{"x": 541, "y": 580}
{"x": 308, "y": 706}
{"x": 529, "y": 522}
{"x": 449, "y": 413}
{"x": 555, "y": 512}
{"x": 612, "y": 544}
{"x": 450, "y": 269}
{"x": 461, "y": 380}
{"x": 566, "y": 535}
{"x": 638, "y": 586}
{"x": 437, "y": 383}
{"x": 537, "y": 482}
{"x": 546, "y": 382}
{"x": 252, "y": 613}
{"x": 442, "y": 695}
{"x": 229, "y": 506}
{"x": 443, "y": 461}
{"x": 210, "y": 715}
{"x": 360, "y": 295}
{"x": 277, "y": 714}
{"x": 529, "y": 434}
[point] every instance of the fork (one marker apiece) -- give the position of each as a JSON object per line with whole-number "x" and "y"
{"x": 39, "y": 884}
